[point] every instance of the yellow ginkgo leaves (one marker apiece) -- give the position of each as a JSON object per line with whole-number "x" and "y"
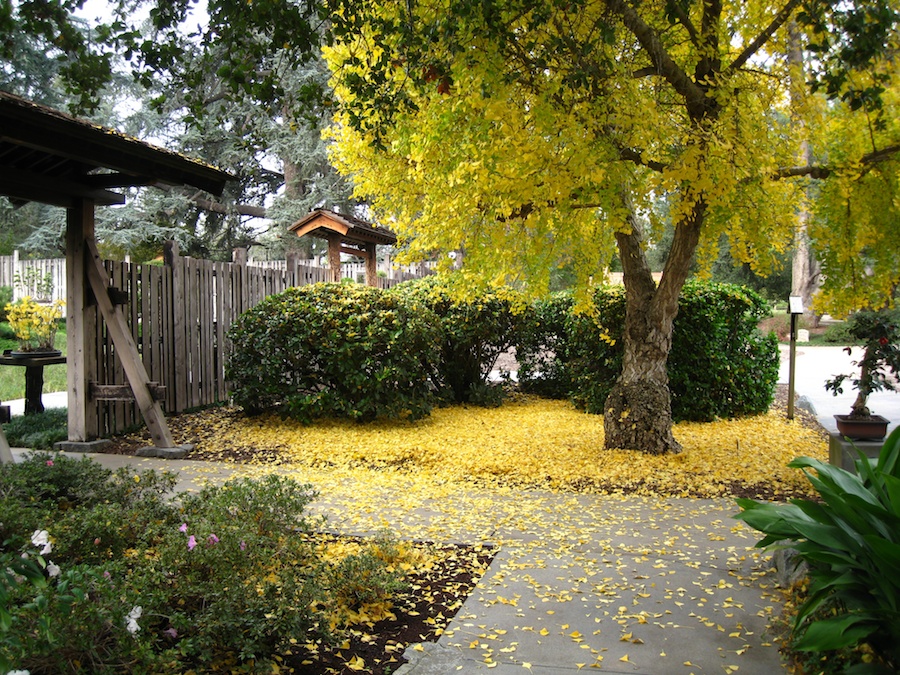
{"x": 527, "y": 443}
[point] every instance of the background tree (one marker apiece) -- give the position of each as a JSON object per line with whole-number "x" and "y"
{"x": 531, "y": 132}
{"x": 271, "y": 146}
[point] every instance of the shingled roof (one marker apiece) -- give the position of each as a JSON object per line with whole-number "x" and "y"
{"x": 50, "y": 157}
{"x": 354, "y": 231}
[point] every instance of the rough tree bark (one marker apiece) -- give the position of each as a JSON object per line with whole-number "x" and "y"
{"x": 638, "y": 411}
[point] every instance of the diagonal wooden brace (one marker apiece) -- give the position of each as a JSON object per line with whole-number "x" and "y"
{"x": 126, "y": 349}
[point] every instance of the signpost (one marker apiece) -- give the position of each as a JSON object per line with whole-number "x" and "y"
{"x": 795, "y": 309}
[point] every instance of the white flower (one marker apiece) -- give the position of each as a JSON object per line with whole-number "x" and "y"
{"x": 19, "y": 672}
{"x": 52, "y": 570}
{"x": 41, "y": 538}
{"x": 131, "y": 620}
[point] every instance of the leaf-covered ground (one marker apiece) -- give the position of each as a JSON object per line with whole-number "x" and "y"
{"x": 527, "y": 443}
{"x": 457, "y": 476}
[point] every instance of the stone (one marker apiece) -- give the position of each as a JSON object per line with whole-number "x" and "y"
{"x": 98, "y": 445}
{"x": 178, "y": 452}
{"x": 789, "y": 569}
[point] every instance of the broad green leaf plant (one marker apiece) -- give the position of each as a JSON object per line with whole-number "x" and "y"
{"x": 850, "y": 539}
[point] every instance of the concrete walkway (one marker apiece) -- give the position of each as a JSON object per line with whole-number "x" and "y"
{"x": 630, "y": 585}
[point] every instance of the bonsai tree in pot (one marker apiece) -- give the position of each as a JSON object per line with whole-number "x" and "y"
{"x": 878, "y": 333}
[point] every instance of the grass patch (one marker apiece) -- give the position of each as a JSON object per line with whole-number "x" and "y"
{"x": 12, "y": 378}
{"x": 38, "y": 432}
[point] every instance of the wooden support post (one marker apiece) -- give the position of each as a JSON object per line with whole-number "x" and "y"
{"x": 80, "y": 323}
{"x": 371, "y": 265}
{"x": 126, "y": 349}
{"x": 334, "y": 255}
{"x": 293, "y": 267}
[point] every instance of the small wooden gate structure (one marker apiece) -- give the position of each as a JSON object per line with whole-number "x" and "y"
{"x": 50, "y": 157}
{"x": 345, "y": 234}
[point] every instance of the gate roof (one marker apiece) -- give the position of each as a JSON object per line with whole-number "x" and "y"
{"x": 352, "y": 230}
{"x": 50, "y": 157}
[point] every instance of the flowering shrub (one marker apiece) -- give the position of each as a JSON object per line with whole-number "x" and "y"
{"x": 33, "y": 324}
{"x": 228, "y": 578}
{"x": 879, "y": 335}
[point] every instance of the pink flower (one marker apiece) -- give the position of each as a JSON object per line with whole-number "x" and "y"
{"x": 183, "y": 527}
{"x": 243, "y": 545}
{"x": 191, "y": 543}
{"x": 49, "y": 462}
{"x": 213, "y": 539}
{"x": 171, "y": 632}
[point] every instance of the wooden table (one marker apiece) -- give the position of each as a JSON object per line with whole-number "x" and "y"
{"x": 34, "y": 377}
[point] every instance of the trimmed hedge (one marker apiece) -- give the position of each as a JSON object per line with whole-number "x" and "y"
{"x": 720, "y": 365}
{"x": 476, "y": 327}
{"x": 330, "y": 349}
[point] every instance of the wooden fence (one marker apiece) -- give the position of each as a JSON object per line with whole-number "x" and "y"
{"x": 179, "y": 314}
{"x": 54, "y": 269}
{"x": 28, "y": 277}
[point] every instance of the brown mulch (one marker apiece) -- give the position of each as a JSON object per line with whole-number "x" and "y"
{"x": 420, "y": 615}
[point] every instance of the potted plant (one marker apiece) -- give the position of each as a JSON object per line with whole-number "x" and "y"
{"x": 878, "y": 332}
{"x": 34, "y": 325}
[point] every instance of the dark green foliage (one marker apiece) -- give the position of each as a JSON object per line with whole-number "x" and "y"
{"x": 38, "y": 432}
{"x": 543, "y": 347}
{"x": 720, "y": 365}
{"x": 340, "y": 350}
{"x": 838, "y": 334}
{"x": 851, "y": 542}
{"x": 476, "y": 327}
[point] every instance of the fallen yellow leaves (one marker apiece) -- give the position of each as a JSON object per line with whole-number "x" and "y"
{"x": 526, "y": 443}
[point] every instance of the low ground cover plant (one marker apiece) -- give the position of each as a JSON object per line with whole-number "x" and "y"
{"x": 720, "y": 365}
{"x": 38, "y": 432}
{"x": 340, "y": 350}
{"x": 850, "y": 539}
{"x": 101, "y": 573}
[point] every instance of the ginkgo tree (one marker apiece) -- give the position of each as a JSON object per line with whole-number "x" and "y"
{"x": 532, "y": 132}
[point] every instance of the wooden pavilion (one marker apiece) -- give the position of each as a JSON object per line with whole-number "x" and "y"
{"x": 50, "y": 157}
{"x": 345, "y": 234}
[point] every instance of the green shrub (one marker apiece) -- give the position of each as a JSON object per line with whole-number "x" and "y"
{"x": 542, "y": 347}
{"x": 720, "y": 365}
{"x": 329, "y": 349}
{"x": 851, "y": 542}
{"x": 476, "y": 327}
{"x": 838, "y": 334}
{"x": 226, "y": 580}
{"x": 38, "y": 432}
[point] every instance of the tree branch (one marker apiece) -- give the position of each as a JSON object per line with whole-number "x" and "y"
{"x": 822, "y": 171}
{"x": 780, "y": 19}
{"x": 218, "y": 207}
{"x": 635, "y": 156}
{"x": 665, "y": 66}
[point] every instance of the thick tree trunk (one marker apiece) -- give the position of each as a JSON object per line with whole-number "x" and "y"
{"x": 638, "y": 411}
{"x": 805, "y": 270}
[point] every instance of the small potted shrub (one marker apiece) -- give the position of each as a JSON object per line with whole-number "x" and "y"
{"x": 878, "y": 333}
{"x": 34, "y": 325}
